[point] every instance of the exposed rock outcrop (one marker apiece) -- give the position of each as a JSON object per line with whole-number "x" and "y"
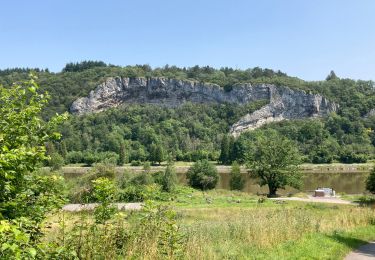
{"x": 370, "y": 113}
{"x": 284, "y": 103}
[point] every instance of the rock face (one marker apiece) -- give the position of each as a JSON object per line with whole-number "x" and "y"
{"x": 284, "y": 103}
{"x": 371, "y": 113}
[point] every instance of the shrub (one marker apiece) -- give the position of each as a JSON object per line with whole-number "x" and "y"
{"x": 100, "y": 170}
{"x": 237, "y": 182}
{"x": 123, "y": 180}
{"x": 74, "y": 157}
{"x": 169, "y": 179}
{"x": 370, "y": 182}
{"x": 18, "y": 239}
{"x": 202, "y": 175}
{"x": 142, "y": 178}
{"x": 104, "y": 193}
{"x": 139, "y": 193}
{"x": 56, "y": 162}
{"x": 135, "y": 163}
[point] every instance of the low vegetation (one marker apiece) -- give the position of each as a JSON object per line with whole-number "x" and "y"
{"x": 230, "y": 225}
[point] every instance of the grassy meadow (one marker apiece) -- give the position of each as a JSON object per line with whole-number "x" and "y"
{"x": 218, "y": 224}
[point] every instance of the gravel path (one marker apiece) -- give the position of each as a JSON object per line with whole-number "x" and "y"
{"x": 91, "y": 206}
{"x": 363, "y": 252}
{"x": 318, "y": 199}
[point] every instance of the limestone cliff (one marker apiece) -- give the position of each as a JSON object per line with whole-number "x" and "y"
{"x": 284, "y": 103}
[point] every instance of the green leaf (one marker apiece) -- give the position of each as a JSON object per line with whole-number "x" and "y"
{"x": 32, "y": 252}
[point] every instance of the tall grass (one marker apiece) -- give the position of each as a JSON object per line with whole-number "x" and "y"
{"x": 220, "y": 233}
{"x": 211, "y": 233}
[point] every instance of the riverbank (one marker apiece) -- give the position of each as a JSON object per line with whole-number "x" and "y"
{"x": 183, "y": 167}
{"x": 343, "y": 178}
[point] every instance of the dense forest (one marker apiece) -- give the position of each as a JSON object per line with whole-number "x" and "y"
{"x": 136, "y": 133}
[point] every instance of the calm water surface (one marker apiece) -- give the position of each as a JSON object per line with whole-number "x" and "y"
{"x": 350, "y": 183}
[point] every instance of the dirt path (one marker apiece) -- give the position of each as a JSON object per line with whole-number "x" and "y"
{"x": 363, "y": 252}
{"x": 91, "y": 206}
{"x": 318, "y": 199}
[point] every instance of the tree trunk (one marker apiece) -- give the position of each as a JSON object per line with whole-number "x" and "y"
{"x": 272, "y": 191}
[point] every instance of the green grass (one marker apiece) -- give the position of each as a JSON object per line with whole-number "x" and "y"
{"x": 221, "y": 224}
{"x": 333, "y": 245}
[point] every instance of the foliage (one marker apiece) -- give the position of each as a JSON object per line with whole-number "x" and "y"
{"x": 202, "y": 175}
{"x": 56, "y": 161}
{"x": 22, "y": 137}
{"x": 237, "y": 181}
{"x": 226, "y": 149}
{"x": 157, "y": 153}
{"x": 153, "y": 233}
{"x": 26, "y": 195}
{"x": 196, "y": 132}
{"x": 81, "y": 193}
{"x": 143, "y": 178}
{"x": 122, "y": 155}
{"x": 161, "y": 219}
{"x": 141, "y": 193}
{"x": 321, "y": 141}
{"x": 104, "y": 193}
{"x": 370, "y": 182}
{"x": 81, "y": 66}
{"x": 168, "y": 180}
{"x": 206, "y": 233}
{"x": 16, "y": 239}
{"x": 274, "y": 159}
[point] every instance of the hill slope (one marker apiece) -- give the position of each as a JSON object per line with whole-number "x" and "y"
{"x": 194, "y": 131}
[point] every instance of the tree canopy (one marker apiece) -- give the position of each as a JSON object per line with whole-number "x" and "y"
{"x": 195, "y": 132}
{"x": 274, "y": 160}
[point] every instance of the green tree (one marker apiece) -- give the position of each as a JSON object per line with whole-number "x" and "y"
{"x": 237, "y": 182}
{"x": 122, "y": 155}
{"x": 157, "y": 153}
{"x": 56, "y": 161}
{"x": 224, "y": 151}
{"x": 23, "y": 135}
{"x": 104, "y": 193}
{"x": 274, "y": 160}
{"x": 370, "y": 182}
{"x": 169, "y": 179}
{"x": 203, "y": 175}
{"x": 331, "y": 75}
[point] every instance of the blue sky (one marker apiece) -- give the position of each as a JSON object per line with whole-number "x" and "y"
{"x": 302, "y": 38}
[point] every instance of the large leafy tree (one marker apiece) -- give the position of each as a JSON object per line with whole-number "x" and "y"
{"x": 202, "y": 175}
{"x": 23, "y": 135}
{"x": 274, "y": 159}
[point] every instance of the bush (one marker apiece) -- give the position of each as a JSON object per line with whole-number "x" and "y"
{"x": 349, "y": 154}
{"x": 140, "y": 193}
{"x": 18, "y": 239}
{"x": 104, "y": 193}
{"x": 135, "y": 163}
{"x": 85, "y": 187}
{"x": 237, "y": 182}
{"x": 202, "y": 175}
{"x": 56, "y": 162}
{"x": 123, "y": 180}
{"x": 142, "y": 178}
{"x": 168, "y": 180}
{"x": 74, "y": 157}
{"x": 370, "y": 182}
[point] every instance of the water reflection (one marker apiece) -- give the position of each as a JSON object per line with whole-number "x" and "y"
{"x": 350, "y": 183}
